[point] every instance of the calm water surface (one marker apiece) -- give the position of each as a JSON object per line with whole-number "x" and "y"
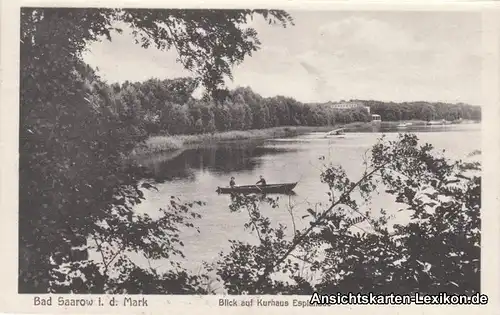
{"x": 195, "y": 173}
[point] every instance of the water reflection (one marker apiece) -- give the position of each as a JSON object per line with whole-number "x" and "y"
{"x": 196, "y": 172}
{"x": 220, "y": 158}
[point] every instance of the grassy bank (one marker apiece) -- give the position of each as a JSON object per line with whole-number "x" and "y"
{"x": 157, "y": 144}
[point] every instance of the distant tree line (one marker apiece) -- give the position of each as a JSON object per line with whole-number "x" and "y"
{"x": 391, "y": 111}
{"x": 167, "y": 107}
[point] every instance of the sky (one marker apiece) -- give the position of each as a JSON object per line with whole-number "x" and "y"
{"x": 336, "y": 55}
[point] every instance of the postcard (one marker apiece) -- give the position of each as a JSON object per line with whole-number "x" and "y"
{"x": 247, "y": 157}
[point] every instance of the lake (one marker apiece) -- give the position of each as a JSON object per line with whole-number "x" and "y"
{"x": 195, "y": 173}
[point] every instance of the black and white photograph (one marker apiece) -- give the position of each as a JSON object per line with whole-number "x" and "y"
{"x": 269, "y": 152}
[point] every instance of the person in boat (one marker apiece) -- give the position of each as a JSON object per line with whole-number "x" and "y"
{"x": 232, "y": 183}
{"x": 261, "y": 181}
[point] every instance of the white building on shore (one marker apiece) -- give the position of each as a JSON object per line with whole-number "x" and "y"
{"x": 376, "y": 118}
{"x": 347, "y": 105}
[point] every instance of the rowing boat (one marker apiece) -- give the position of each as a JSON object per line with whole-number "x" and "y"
{"x": 267, "y": 189}
{"x": 337, "y": 133}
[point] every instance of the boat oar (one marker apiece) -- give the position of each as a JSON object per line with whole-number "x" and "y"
{"x": 259, "y": 189}
{"x": 300, "y": 178}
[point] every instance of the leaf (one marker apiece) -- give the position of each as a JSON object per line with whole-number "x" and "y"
{"x": 312, "y": 212}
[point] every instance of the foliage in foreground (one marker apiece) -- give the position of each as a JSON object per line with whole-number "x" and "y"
{"x": 77, "y": 193}
{"x": 350, "y": 247}
{"x": 75, "y": 184}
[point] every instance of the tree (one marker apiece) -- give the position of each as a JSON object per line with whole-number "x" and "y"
{"x": 222, "y": 118}
{"x": 349, "y": 248}
{"x": 77, "y": 187}
{"x": 220, "y": 39}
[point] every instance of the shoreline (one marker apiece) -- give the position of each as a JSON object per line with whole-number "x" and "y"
{"x": 163, "y": 144}
{"x": 169, "y": 144}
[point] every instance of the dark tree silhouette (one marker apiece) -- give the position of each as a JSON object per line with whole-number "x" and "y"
{"x": 76, "y": 187}
{"x": 349, "y": 247}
